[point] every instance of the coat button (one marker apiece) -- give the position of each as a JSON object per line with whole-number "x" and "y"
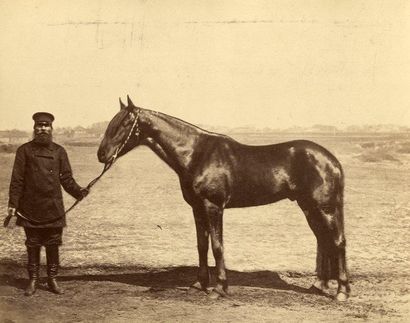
{"x": 51, "y": 170}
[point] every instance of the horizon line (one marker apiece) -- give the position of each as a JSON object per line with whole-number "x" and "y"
{"x": 249, "y": 126}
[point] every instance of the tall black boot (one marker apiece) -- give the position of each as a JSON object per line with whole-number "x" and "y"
{"x": 33, "y": 268}
{"x": 52, "y": 269}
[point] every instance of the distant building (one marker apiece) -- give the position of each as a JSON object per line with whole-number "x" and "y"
{"x": 14, "y": 137}
{"x": 80, "y": 132}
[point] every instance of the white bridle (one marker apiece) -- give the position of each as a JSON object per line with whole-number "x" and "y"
{"x": 137, "y": 133}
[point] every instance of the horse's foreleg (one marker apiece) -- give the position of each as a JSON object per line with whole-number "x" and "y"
{"x": 202, "y": 236}
{"x": 215, "y": 214}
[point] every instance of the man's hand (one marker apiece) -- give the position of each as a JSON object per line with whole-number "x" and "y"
{"x": 84, "y": 192}
{"x": 11, "y": 211}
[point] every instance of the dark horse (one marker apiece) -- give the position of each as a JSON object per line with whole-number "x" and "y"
{"x": 217, "y": 172}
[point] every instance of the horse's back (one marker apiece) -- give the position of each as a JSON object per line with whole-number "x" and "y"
{"x": 290, "y": 154}
{"x": 256, "y": 175}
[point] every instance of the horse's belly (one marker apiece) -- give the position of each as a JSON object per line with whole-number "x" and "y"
{"x": 255, "y": 197}
{"x": 261, "y": 185}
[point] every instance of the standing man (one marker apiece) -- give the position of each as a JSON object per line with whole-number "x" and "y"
{"x": 40, "y": 168}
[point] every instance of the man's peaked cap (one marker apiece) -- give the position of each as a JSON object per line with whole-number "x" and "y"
{"x": 43, "y": 117}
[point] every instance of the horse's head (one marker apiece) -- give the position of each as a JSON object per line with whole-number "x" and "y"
{"x": 121, "y": 135}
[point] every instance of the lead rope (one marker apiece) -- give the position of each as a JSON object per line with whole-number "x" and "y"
{"x": 91, "y": 184}
{"x": 95, "y": 180}
{"x": 114, "y": 157}
{"x": 107, "y": 166}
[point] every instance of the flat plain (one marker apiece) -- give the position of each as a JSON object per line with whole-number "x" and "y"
{"x": 129, "y": 250}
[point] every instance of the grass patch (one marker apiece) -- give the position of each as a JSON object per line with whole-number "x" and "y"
{"x": 379, "y": 151}
{"x": 82, "y": 143}
{"x": 376, "y": 156}
{"x": 404, "y": 148}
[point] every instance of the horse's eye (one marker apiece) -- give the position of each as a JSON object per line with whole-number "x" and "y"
{"x": 130, "y": 119}
{"x": 124, "y": 122}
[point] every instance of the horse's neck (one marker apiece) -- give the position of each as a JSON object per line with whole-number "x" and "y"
{"x": 173, "y": 140}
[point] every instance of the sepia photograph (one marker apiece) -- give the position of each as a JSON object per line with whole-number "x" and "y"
{"x": 204, "y": 161}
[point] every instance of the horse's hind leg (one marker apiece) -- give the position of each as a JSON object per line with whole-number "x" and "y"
{"x": 321, "y": 284}
{"x": 339, "y": 244}
{"x": 327, "y": 225}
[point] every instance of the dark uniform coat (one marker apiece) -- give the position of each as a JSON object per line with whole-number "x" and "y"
{"x": 35, "y": 189}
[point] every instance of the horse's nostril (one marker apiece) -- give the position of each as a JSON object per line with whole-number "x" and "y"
{"x": 101, "y": 156}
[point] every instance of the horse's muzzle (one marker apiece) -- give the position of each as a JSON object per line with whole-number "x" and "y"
{"x": 102, "y": 158}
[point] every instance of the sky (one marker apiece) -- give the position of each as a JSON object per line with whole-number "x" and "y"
{"x": 223, "y": 63}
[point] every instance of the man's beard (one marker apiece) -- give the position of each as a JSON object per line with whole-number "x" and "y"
{"x": 42, "y": 138}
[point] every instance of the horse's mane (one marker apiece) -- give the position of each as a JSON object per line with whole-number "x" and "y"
{"x": 188, "y": 124}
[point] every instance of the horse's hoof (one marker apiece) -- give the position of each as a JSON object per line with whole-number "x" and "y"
{"x": 318, "y": 291}
{"x": 341, "y": 297}
{"x": 192, "y": 291}
{"x": 214, "y": 295}
{"x": 314, "y": 290}
{"x": 196, "y": 289}
{"x": 217, "y": 293}
{"x": 321, "y": 286}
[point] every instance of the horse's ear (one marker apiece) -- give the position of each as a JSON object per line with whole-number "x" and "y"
{"x": 122, "y": 105}
{"x": 130, "y": 104}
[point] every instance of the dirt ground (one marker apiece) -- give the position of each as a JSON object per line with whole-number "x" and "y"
{"x": 118, "y": 265}
{"x": 118, "y": 294}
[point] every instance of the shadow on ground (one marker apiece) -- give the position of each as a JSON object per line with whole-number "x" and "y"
{"x": 174, "y": 277}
